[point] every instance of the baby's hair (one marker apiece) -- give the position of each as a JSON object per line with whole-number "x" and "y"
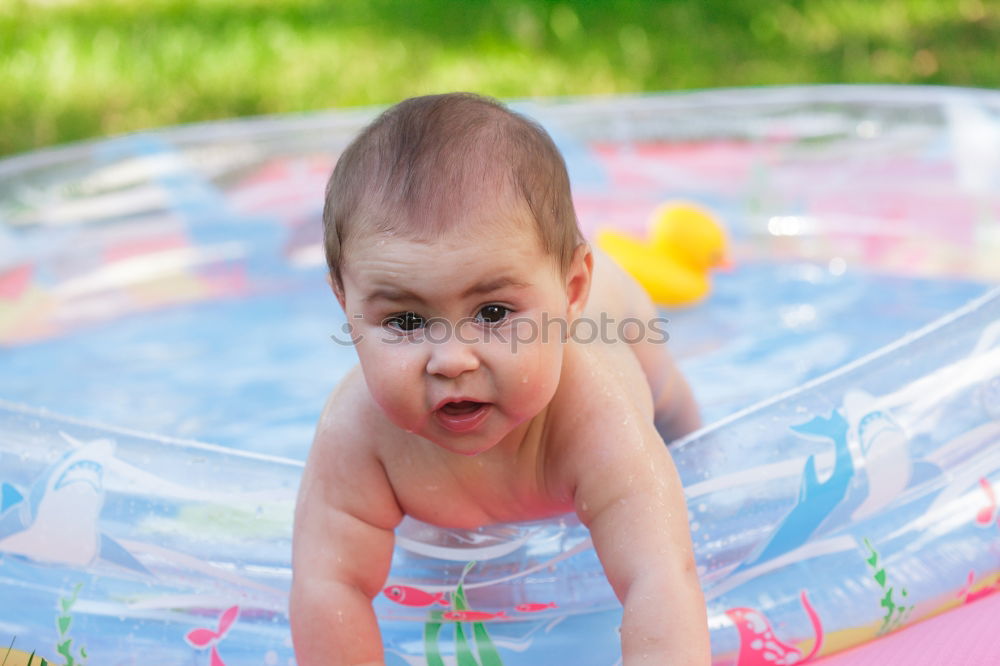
{"x": 412, "y": 168}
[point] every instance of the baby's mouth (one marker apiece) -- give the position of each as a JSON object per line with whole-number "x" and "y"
{"x": 462, "y": 415}
{"x": 461, "y": 408}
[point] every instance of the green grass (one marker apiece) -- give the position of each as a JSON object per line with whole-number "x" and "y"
{"x": 71, "y": 69}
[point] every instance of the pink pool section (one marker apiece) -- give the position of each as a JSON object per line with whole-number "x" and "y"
{"x": 966, "y": 636}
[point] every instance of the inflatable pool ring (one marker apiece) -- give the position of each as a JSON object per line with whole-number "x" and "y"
{"x": 172, "y": 283}
{"x": 685, "y": 242}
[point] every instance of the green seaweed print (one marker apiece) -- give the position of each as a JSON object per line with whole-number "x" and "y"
{"x": 464, "y": 654}
{"x": 896, "y": 612}
{"x": 64, "y": 646}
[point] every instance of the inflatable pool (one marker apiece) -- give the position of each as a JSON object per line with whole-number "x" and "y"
{"x": 167, "y": 341}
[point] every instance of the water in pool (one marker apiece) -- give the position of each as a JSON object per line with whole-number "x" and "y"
{"x": 252, "y": 373}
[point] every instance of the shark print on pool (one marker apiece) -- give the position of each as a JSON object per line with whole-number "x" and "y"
{"x": 57, "y": 520}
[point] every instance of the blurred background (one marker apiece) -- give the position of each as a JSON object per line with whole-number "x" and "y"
{"x": 76, "y": 69}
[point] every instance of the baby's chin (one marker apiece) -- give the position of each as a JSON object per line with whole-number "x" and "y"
{"x": 469, "y": 446}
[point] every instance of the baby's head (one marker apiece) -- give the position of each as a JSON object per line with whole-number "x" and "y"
{"x": 452, "y": 243}
{"x": 421, "y": 166}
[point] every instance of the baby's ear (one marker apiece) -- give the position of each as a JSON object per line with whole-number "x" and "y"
{"x": 578, "y": 278}
{"x": 338, "y": 290}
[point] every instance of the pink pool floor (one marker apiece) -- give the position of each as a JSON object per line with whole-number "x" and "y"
{"x": 966, "y": 636}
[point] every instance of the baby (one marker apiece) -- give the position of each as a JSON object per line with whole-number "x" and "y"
{"x": 454, "y": 251}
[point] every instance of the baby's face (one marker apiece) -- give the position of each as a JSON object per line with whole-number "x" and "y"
{"x": 451, "y": 331}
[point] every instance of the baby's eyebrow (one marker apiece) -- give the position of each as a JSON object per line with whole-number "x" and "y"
{"x": 391, "y": 294}
{"x": 487, "y": 286}
{"x": 397, "y": 294}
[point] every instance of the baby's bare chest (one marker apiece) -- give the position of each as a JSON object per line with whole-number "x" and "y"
{"x": 468, "y": 496}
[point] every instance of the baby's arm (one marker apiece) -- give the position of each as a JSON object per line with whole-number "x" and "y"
{"x": 342, "y": 544}
{"x": 630, "y": 496}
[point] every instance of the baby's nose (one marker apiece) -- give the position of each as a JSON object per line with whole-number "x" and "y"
{"x": 450, "y": 356}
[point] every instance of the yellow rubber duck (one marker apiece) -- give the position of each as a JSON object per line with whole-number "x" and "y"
{"x": 685, "y": 242}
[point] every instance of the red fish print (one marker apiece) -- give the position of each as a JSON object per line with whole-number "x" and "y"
{"x": 758, "y": 644}
{"x": 968, "y": 597}
{"x": 471, "y": 616}
{"x": 985, "y": 515}
{"x": 202, "y": 638}
{"x": 412, "y": 596}
{"x": 534, "y": 608}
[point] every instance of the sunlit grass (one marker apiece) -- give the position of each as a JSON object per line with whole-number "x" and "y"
{"x": 74, "y": 69}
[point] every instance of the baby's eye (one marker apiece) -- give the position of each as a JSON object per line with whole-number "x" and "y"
{"x": 493, "y": 313}
{"x": 404, "y": 321}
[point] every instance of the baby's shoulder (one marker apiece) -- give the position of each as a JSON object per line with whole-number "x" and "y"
{"x": 351, "y": 421}
{"x": 344, "y": 471}
{"x": 602, "y": 387}
{"x": 602, "y": 377}
{"x": 601, "y": 419}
